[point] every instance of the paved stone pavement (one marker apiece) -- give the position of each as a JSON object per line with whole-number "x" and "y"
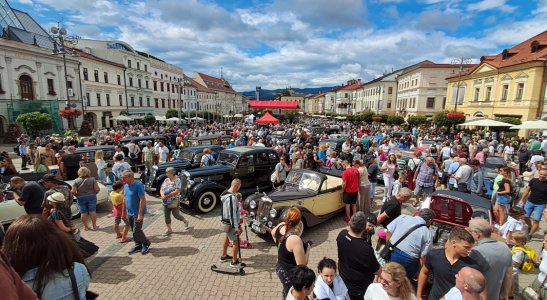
{"x": 178, "y": 267}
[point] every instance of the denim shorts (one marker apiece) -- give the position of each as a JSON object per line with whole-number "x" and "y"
{"x": 503, "y": 200}
{"x": 87, "y": 203}
{"x": 534, "y": 210}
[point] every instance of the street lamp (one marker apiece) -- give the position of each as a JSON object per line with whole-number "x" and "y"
{"x": 60, "y": 33}
{"x": 458, "y": 61}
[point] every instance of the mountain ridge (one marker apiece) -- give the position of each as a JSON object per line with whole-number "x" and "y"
{"x": 272, "y": 94}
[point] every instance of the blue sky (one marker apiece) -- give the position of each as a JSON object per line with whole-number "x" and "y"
{"x": 299, "y": 43}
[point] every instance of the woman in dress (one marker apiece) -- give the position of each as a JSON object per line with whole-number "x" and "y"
{"x": 394, "y": 284}
{"x": 44, "y": 257}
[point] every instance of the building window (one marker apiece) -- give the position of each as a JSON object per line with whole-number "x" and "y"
{"x": 99, "y": 99}
{"x": 168, "y": 103}
{"x": 130, "y": 81}
{"x": 146, "y": 83}
{"x": 520, "y": 91}
{"x": 477, "y": 93}
{"x": 155, "y": 84}
{"x": 140, "y": 99}
{"x": 139, "y": 82}
{"x": 168, "y": 88}
{"x": 119, "y": 80}
{"x": 504, "y": 92}
{"x": 69, "y": 84}
{"x": 161, "y": 86}
{"x": 129, "y": 63}
{"x": 107, "y": 99}
{"x": 145, "y": 68}
{"x": 488, "y": 93}
{"x": 105, "y": 77}
{"x": 430, "y": 102}
{"x": 147, "y": 99}
{"x": 120, "y": 100}
{"x": 87, "y": 99}
{"x": 390, "y": 90}
{"x": 138, "y": 65}
{"x": 50, "y": 87}
{"x": 96, "y": 75}
{"x": 156, "y": 102}
{"x": 86, "y": 76}
{"x": 162, "y": 103}
{"x": 132, "y": 101}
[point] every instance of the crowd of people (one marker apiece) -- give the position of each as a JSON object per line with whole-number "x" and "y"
{"x": 477, "y": 262}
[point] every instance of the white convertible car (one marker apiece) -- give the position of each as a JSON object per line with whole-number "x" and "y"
{"x": 10, "y": 210}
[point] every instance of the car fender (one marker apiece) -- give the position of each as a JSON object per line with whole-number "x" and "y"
{"x": 206, "y": 185}
{"x": 159, "y": 179}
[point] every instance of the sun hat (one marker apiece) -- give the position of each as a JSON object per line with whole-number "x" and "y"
{"x": 56, "y": 197}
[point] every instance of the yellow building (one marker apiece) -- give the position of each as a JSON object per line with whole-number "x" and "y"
{"x": 509, "y": 84}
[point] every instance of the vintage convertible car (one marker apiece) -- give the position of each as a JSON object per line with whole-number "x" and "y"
{"x": 317, "y": 195}
{"x": 10, "y": 210}
{"x": 455, "y": 209}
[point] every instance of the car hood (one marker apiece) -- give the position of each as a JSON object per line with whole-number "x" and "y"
{"x": 176, "y": 163}
{"x": 210, "y": 170}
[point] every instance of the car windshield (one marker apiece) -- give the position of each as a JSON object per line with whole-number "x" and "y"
{"x": 227, "y": 157}
{"x": 304, "y": 181}
{"x": 186, "y": 155}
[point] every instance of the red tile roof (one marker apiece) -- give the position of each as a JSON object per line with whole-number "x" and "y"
{"x": 521, "y": 53}
{"x": 200, "y": 87}
{"x": 351, "y": 87}
{"x": 273, "y": 104}
{"x": 217, "y": 84}
{"x": 95, "y": 58}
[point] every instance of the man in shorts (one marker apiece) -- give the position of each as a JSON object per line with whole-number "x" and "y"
{"x": 537, "y": 189}
{"x": 350, "y": 184}
{"x": 230, "y": 223}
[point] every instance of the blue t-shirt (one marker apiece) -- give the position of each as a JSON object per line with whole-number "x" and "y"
{"x": 132, "y": 193}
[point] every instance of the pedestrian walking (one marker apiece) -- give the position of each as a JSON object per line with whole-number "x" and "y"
{"x": 350, "y": 185}
{"x": 169, "y": 192}
{"x": 389, "y": 168}
{"x": 364, "y": 203}
{"x": 86, "y": 188}
{"x": 134, "y": 210}
{"x": 534, "y": 195}
{"x": 231, "y": 224}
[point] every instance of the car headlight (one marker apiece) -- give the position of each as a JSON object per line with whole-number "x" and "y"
{"x": 252, "y": 204}
{"x": 190, "y": 183}
{"x": 273, "y": 213}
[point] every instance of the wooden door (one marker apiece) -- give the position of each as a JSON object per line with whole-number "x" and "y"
{"x": 25, "y": 83}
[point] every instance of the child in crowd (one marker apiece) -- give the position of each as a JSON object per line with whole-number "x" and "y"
{"x": 117, "y": 199}
{"x": 242, "y": 213}
{"x": 380, "y": 244}
{"x": 514, "y": 222}
{"x": 524, "y": 258}
{"x": 398, "y": 184}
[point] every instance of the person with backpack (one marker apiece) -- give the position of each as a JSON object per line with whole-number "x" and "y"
{"x": 230, "y": 223}
{"x": 411, "y": 167}
{"x": 120, "y": 166}
{"x": 207, "y": 159}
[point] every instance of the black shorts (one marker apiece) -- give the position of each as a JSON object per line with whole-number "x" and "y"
{"x": 350, "y": 198}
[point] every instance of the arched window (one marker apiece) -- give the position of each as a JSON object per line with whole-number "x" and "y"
{"x": 25, "y": 84}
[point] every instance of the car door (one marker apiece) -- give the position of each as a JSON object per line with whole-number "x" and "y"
{"x": 328, "y": 202}
{"x": 263, "y": 169}
{"x": 245, "y": 171}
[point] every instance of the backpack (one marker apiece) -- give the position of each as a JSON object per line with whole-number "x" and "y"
{"x": 227, "y": 217}
{"x": 527, "y": 265}
{"x": 210, "y": 160}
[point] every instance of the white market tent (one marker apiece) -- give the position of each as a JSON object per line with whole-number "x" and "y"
{"x": 160, "y": 118}
{"x": 173, "y": 119}
{"x": 196, "y": 119}
{"x": 485, "y": 123}
{"x": 537, "y": 124}
{"x": 137, "y": 117}
{"x": 238, "y": 116}
{"x": 122, "y": 118}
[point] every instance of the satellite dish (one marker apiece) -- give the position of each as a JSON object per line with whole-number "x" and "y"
{"x": 54, "y": 30}
{"x": 62, "y": 31}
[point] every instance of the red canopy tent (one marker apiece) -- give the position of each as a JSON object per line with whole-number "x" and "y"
{"x": 267, "y": 119}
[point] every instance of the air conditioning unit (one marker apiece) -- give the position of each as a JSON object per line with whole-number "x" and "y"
{"x": 70, "y": 92}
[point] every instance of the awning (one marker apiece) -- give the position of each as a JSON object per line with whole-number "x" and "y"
{"x": 486, "y": 123}
{"x": 267, "y": 119}
{"x": 273, "y": 104}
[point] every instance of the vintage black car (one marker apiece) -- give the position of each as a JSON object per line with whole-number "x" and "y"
{"x": 141, "y": 141}
{"x": 188, "y": 158}
{"x": 206, "y": 140}
{"x": 317, "y": 195}
{"x": 201, "y": 187}
{"x": 334, "y": 144}
{"x": 88, "y": 153}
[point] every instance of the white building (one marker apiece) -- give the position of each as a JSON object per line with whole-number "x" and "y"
{"x": 189, "y": 94}
{"x": 206, "y": 98}
{"x": 167, "y": 82}
{"x": 346, "y": 97}
{"x": 421, "y": 89}
{"x": 137, "y": 79}
{"x": 379, "y": 94}
{"x": 329, "y": 104}
{"x": 31, "y": 78}
{"x": 230, "y": 101}
{"x": 103, "y": 86}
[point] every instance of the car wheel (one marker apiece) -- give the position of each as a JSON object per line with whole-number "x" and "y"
{"x": 206, "y": 202}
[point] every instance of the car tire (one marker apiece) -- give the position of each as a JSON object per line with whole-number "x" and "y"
{"x": 206, "y": 202}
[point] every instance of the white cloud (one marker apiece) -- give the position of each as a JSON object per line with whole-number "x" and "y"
{"x": 491, "y": 5}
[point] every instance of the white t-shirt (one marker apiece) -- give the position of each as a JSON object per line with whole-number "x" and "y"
{"x": 375, "y": 291}
{"x": 445, "y": 151}
{"x": 163, "y": 152}
{"x": 453, "y": 294}
{"x": 509, "y": 150}
{"x": 510, "y": 225}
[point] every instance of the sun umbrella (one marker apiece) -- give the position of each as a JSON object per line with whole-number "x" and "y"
{"x": 537, "y": 124}
{"x": 173, "y": 119}
{"x": 486, "y": 123}
{"x": 122, "y": 118}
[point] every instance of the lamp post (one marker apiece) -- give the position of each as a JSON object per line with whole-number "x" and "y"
{"x": 458, "y": 61}
{"x": 60, "y": 33}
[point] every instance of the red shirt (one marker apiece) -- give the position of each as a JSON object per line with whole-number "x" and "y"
{"x": 351, "y": 178}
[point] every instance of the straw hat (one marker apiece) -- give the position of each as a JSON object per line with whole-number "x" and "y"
{"x": 56, "y": 197}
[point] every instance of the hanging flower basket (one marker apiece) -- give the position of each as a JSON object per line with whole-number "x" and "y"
{"x": 455, "y": 115}
{"x": 377, "y": 118}
{"x": 70, "y": 113}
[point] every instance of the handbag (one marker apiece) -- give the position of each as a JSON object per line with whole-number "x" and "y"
{"x": 89, "y": 295}
{"x": 385, "y": 253}
{"x": 536, "y": 291}
{"x": 174, "y": 203}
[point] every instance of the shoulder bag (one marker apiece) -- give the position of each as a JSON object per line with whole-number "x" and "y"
{"x": 385, "y": 253}
{"x": 89, "y": 295}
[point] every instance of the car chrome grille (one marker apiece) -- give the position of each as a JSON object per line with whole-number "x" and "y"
{"x": 263, "y": 210}
{"x": 184, "y": 185}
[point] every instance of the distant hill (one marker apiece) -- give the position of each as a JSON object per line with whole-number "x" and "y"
{"x": 271, "y": 94}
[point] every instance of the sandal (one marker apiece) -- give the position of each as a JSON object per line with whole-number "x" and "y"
{"x": 123, "y": 241}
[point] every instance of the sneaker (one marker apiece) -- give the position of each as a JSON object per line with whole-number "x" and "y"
{"x": 145, "y": 249}
{"x": 167, "y": 232}
{"x": 135, "y": 250}
{"x": 237, "y": 264}
{"x": 225, "y": 258}
{"x": 186, "y": 224}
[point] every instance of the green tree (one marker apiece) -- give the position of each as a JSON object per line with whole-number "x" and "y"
{"x": 510, "y": 120}
{"x": 384, "y": 118}
{"x": 395, "y": 120}
{"x": 416, "y": 120}
{"x": 35, "y": 122}
{"x": 440, "y": 119}
{"x": 171, "y": 113}
{"x": 149, "y": 120}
